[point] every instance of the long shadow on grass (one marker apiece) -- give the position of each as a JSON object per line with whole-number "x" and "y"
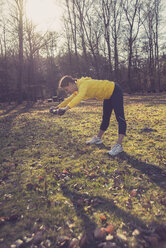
{"x": 8, "y": 116}
{"x": 99, "y": 203}
{"x": 151, "y": 99}
{"x": 19, "y": 109}
{"x": 155, "y": 173}
{"x": 102, "y": 146}
{"x": 7, "y": 111}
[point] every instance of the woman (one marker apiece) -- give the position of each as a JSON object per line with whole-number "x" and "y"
{"x": 108, "y": 91}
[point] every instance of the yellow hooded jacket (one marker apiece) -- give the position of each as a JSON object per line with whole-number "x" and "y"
{"x": 89, "y": 88}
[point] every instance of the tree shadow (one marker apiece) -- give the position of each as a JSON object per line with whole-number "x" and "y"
{"x": 149, "y": 99}
{"x": 155, "y": 173}
{"x": 79, "y": 207}
{"x": 19, "y": 109}
{"x": 102, "y": 146}
{"x": 80, "y": 200}
{"x": 7, "y": 118}
{"x": 8, "y": 110}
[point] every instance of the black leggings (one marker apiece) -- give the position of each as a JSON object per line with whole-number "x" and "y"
{"x": 114, "y": 103}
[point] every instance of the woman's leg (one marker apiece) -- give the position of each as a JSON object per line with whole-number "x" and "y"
{"x": 100, "y": 133}
{"x": 117, "y": 103}
{"x": 107, "y": 110}
{"x": 120, "y": 138}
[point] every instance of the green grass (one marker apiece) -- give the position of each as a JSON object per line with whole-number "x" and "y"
{"x": 49, "y": 176}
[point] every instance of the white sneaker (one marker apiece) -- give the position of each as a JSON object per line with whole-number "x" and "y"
{"x": 117, "y": 148}
{"x": 95, "y": 140}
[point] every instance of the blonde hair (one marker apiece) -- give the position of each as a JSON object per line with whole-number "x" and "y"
{"x": 65, "y": 80}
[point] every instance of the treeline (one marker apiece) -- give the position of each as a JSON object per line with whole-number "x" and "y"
{"x": 120, "y": 40}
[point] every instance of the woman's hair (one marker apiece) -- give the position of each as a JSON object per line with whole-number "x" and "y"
{"x": 64, "y": 81}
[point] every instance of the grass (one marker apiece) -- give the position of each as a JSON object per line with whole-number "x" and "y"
{"x": 50, "y": 179}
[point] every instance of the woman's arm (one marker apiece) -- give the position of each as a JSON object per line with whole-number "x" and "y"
{"x": 67, "y": 100}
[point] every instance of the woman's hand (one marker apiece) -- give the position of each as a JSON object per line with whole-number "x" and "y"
{"x": 61, "y": 111}
{"x": 58, "y": 111}
{"x": 53, "y": 109}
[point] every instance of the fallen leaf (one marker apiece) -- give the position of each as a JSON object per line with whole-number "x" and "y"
{"x": 2, "y": 220}
{"x": 136, "y": 232}
{"x": 133, "y": 192}
{"x": 109, "y": 237}
{"x": 109, "y": 229}
{"x": 103, "y": 217}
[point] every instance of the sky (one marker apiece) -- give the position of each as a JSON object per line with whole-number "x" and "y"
{"x": 46, "y": 14}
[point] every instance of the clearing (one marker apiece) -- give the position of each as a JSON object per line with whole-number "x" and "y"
{"x": 52, "y": 185}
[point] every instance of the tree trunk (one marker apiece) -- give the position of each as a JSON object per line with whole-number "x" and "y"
{"x": 20, "y": 34}
{"x": 106, "y": 18}
{"x": 130, "y": 65}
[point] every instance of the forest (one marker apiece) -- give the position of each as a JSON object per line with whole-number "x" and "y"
{"x": 118, "y": 40}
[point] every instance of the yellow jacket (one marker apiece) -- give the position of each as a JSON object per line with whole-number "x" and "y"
{"x": 89, "y": 88}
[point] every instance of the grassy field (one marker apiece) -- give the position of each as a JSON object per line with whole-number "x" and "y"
{"x": 55, "y": 191}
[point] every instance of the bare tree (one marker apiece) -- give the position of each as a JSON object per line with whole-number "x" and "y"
{"x": 117, "y": 11}
{"x": 93, "y": 36}
{"x": 157, "y": 8}
{"x": 68, "y": 37}
{"x": 81, "y": 8}
{"x": 43, "y": 44}
{"x": 17, "y": 14}
{"x": 106, "y": 14}
{"x": 132, "y": 11}
{"x": 82, "y": 30}
{"x": 52, "y": 72}
{"x": 151, "y": 14}
{"x": 71, "y": 31}
{"x": 73, "y": 22}
{"x": 36, "y": 42}
{"x": 4, "y": 70}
